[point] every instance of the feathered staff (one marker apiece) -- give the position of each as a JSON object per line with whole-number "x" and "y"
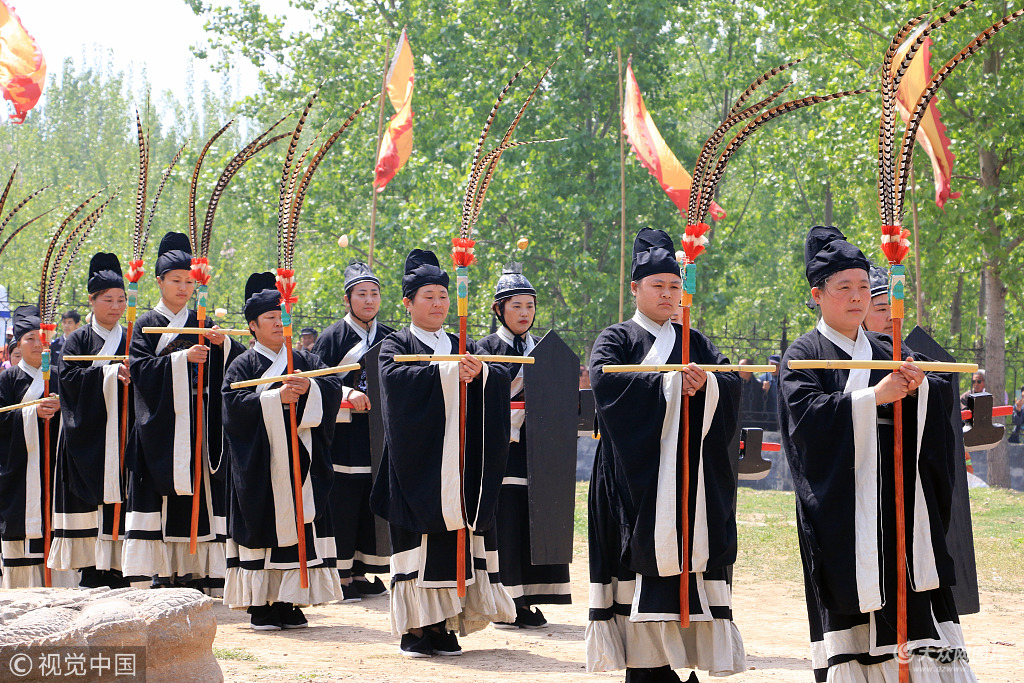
{"x": 201, "y": 271}
{"x": 140, "y": 236}
{"x": 480, "y": 175}
{"x": 295, "y": 180}
{"x": 5, "y": 220}
{"x": 56, "y": 265}
{"x": 893, "y": 171}
{"x": 706, "y": 178}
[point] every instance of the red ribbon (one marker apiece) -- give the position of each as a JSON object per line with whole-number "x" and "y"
{"x": 693, "y": 245}
{"x": 895, "y": 243}
{"x": 201, "y": 270}
{"x": 286, "y": 285}
{"x": 462, "y": 251}
{"x": 135, "y": 271}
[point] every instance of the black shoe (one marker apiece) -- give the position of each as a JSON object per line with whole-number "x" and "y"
{"x": 692, "y": 679}
{"x": 661, "y": 674}
{"x": 368, "y": 589}
{"x": 529, "y": 618}
{"x": 416, "y": 646}
{"x": 264, "y": 618}
{"x": 445, "y": 643}
{"x": 350, "y": 593}
{"x": 290, "y": 616}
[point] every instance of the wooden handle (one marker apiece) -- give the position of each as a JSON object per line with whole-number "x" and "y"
{"x": 416, "y": 357}
{"x": 89, "y": 359}
{"x": 193, "y": 330}
{"x": 679, "y": 366}
{"x": 308, "y": 373}
{"x": 26, "y": 404}
{"x": 928, "y": 366}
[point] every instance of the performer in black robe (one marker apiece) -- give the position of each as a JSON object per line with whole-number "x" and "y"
{"x": 88, "y": 477}
{"x": 635, "y": 489}
{"x": 22, "y": 459}
{"x": 838, "y": 435}
{"x": 417, "y": 487}
{"x": 262, "y": 548}
{"x": 529, "y": 584}
{"x": 344, "y": 342}
{"x": 161, "y": 450}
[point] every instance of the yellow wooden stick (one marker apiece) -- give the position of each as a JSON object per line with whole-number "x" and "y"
{"x": 26, "y": 404}
{"x": 677, "y": 367}
{"x": 308, "y": 373}
{"x": 415, "y": 357}
{"x": 192, "y": 330}
{"x": 928, "y": 366}
{"x": 92, "y": 358}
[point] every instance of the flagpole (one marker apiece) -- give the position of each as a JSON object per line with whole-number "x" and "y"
{"x": 380, "y": 136}
{"x": 622, "y": 203}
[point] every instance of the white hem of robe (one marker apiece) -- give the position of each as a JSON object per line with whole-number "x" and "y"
{"x": 31, "y": 576}
{"x": 254, "y": 587}
{"x": 147, "y": 557}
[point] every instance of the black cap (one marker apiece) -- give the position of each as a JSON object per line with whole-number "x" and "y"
{"x": 307, "y": 330}
{"x": 357, "y": 272}
{"x": 652, "y": 254}
{"x": 879, "y": 278}
{"x": 175, "y": 253}
{"x": 105, "y": 273}
{"x": 421, "y": 269}
{"x": 512, "y": 283}
{"x": 775, "y": 358}
{"x": 25, "y": 319}
{"x": 261, "y": 296}
{"x": 826, "y": 251}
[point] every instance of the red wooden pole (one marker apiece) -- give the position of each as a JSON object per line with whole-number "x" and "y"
{"x": 124, "y": 430}
{"x": 198, "y": 465}
{"x": 684, "y": 578}
{"x": 300, "y": 515}
{"x": 460, "y": 555}
{"x": 902, "y": 655}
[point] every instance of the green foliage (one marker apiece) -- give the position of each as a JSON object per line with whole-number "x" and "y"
{"x": 691, "y": 60}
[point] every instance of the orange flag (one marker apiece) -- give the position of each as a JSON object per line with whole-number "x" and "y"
{"x": 932, "y": 134}
{"x": 22, "y": 67}
{"x": 652, "y": 151}
{"x": 396, "y": 145}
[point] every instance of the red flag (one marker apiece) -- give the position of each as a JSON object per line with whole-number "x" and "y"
{"x": 652, "y": 151}
{"x": 22, "y": 67}
{"x": 396, "y": 145}
{"x": 932, "y": 134}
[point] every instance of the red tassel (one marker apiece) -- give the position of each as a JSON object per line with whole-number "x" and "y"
{"x": 895, "y": 243}
{"x": 201, "y": 270}
{"x": 462, "y": 251}
{"x": 135, "y": 271}
{"x": 286, "y": 284}
{"x": 694, "y": 241}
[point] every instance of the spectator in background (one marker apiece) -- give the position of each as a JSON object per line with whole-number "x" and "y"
{"x": 770, "y": 384}
{"x": 584, "y": 377}
{"x": 1018, "y": 417}
{"x": 69, "y": 322}
{"x": 13, "y": 357}
{"x": 751, "y": 393}
{"x": 307, "y": 338}
{"x": 977, "y": 386}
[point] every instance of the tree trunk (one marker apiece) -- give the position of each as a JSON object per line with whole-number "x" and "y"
{"x": 828, "y": 203}
{"x": 955, "y": 313}
{"x": 995, "y": 367}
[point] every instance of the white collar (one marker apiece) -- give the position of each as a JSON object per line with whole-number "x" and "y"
{"x": 839, "y": 339}
{"x": 166, "y": 312}
{"x": 438, "y": 342}
{"x": 364, "y": 334}
{"x": 508, "y": 336}
{"x": 101, "y": 331}
{"x": 269, "y": 353}
{"x": 857, "y": 350}
{"x": 648, "y": 324}
{"x": 29, "y": 370}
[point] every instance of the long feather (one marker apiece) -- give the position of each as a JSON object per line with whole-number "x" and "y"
{"x": 19, "y": 206}
{"x": 490, "y": 163}
{"x": 748, "y": 130}
{"x": 221, "y": 185}
{"x": 83, "y": 230}
{"x": 314, "y": 163}
{"x": 48, "y": 258}
{"x": 761, "y": 80}
{"x": 700, "y": 169}
{"x": 143, "y": 184}
{"x": 474, "y": 169}
{"x": 284, "y": 198}
{"x": 20, "y": 228}
{"x": 7, "y": 189}
{"x": 164, "y": 177}
{"x": 193, "y": 227}
{"x": 907, "y": 148}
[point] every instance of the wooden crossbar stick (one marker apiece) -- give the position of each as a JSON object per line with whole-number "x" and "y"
{"x": 193, "y": 330}
{"x": 308, "y": 373}
{"x": 927, "y": 366}
{"x": 26, "y": 404}
{"x": 92, "y": 358}
{"x": 677, "y": 367}
{"x": 415, "y": 357}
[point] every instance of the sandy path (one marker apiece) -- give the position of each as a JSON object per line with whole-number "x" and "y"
{"x": 352, "y": 642}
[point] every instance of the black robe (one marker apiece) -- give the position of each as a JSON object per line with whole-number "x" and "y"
{"x": 354, "y": 525}
{"x": 22, "y": 548}
{"x": 634, "y": 527}
{"x": 845, "y": 504}
{"x": 527, "y": 583}
{"x": 417, "y": 491}
{"x": 150, "y": 456}
{"x": 81, "y": 465}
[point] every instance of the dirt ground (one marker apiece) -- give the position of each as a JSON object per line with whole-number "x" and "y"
{"x": 353, "y": 642}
